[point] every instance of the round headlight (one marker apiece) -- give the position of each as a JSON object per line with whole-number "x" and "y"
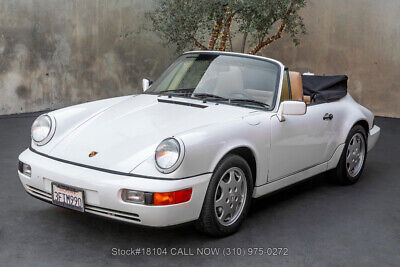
{"x": 42, "y": 129}
{"x": 169, "y": 154}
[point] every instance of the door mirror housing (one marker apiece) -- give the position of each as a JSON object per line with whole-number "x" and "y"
{"x": 291, "y": 108}
{"x": 146, "y": 83}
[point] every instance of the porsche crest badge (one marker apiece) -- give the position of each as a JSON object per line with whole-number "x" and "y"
{"x": 92, "y": 154}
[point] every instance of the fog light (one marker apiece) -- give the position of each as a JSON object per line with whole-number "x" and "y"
{"x": 24, "y": 169}
{"x": 133, "y": 196}
{"x": 170, "y": 198}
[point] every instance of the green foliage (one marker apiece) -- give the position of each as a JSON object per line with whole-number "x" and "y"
{"x": 209, "y": 24}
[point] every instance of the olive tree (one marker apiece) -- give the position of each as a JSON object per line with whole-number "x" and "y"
{"x": 211, "y": 24}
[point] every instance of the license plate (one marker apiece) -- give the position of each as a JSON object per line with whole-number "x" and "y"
{"x": 67, "y": 197}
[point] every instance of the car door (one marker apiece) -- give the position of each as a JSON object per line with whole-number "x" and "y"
{"x": 299, "y": 142}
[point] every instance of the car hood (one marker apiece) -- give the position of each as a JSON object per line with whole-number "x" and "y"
{"x": 127, "y": 133}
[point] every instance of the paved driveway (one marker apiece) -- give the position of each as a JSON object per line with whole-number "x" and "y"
{"x": 319, "y": 223}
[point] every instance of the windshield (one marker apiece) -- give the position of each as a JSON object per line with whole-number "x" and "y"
{"x": 237, "y": 79}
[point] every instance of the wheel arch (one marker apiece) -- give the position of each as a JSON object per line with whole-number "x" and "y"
{"x": 363, "y": 123}
{"x": 247, "y": 154}
{"x": 350, "y": 120}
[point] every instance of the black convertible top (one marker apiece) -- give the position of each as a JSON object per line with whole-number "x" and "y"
{"x": 324, "y": 89}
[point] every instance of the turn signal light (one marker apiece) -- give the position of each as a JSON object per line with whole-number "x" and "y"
{"x": 133, "y": 196}
{"x": 171, "y": 198}
{"x": 24, "y": 168}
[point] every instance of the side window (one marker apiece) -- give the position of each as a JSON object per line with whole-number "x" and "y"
{"x": 286, "y": 90}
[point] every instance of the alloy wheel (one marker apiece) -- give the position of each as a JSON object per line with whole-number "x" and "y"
{"x": 355, "y": 155}
{"x": 230, "y": 196}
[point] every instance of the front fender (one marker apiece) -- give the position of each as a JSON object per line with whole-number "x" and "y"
{"x": 206, "y": 146}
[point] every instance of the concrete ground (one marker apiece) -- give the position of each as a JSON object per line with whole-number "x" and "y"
{"x": 320, "y": 223}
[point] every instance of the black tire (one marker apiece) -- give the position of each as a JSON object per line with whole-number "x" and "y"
{"x": 340, "y": 173}
{"x": 208, "y": 222}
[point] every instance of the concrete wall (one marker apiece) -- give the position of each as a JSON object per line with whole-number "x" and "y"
{"x": 55, "y": 53}
{"x": 360, "y": 38}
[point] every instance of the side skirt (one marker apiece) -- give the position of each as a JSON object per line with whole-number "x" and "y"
{"x": 299, "y": 176}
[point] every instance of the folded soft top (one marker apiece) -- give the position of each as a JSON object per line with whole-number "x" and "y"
{"x": 323, "y": 89}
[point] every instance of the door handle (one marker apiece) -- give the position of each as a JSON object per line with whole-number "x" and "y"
{"x": 328, "y": 116}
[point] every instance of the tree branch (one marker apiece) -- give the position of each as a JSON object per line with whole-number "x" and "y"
{"x": 263, "y": 43}
{"x": 198, "y": 44}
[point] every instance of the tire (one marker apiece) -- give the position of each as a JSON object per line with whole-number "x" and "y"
{"x": 221, "y": 218}
{"x": 345, "y": 173}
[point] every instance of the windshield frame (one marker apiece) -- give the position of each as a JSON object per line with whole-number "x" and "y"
{"x": 278, "y": 85}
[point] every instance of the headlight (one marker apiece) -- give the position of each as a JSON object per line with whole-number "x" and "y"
{"x": 43, "y": 129}
{"x": 169, "y": 155}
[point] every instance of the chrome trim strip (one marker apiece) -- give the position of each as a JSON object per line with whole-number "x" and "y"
{"x": 130, "y": 216}
{"x": 36, "y": 194}
{"x": 115, "y": 217}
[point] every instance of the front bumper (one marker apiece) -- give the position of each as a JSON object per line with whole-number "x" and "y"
{"x": 103, "y": 191}
{"x": 373, "y": 136}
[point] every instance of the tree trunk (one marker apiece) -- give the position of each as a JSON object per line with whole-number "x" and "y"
{"x": 244, "y": 42}
{"x": 215, "y": 33}
{"x": 230, "y": 41}
{"x": 225, "y": 33}
{"x": 198, "y": 44}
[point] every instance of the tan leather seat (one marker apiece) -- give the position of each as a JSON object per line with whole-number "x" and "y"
{"x": 307, "y": 99}
{"x": 296, "y": 85}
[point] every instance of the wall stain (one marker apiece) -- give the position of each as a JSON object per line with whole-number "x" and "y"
{"x": 23, "y": 92}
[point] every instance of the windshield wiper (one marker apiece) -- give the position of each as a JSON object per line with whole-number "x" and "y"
{"x": 251, "y": 101}
{"x": 177, "y": 92}
{"x": 206, "y": 96}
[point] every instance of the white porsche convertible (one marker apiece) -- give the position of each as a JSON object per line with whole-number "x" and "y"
{"x": 214, "y": 131}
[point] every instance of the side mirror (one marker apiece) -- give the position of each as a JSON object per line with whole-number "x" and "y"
{"x": 291, "y": 108}
{"x": 146, "y": 83}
